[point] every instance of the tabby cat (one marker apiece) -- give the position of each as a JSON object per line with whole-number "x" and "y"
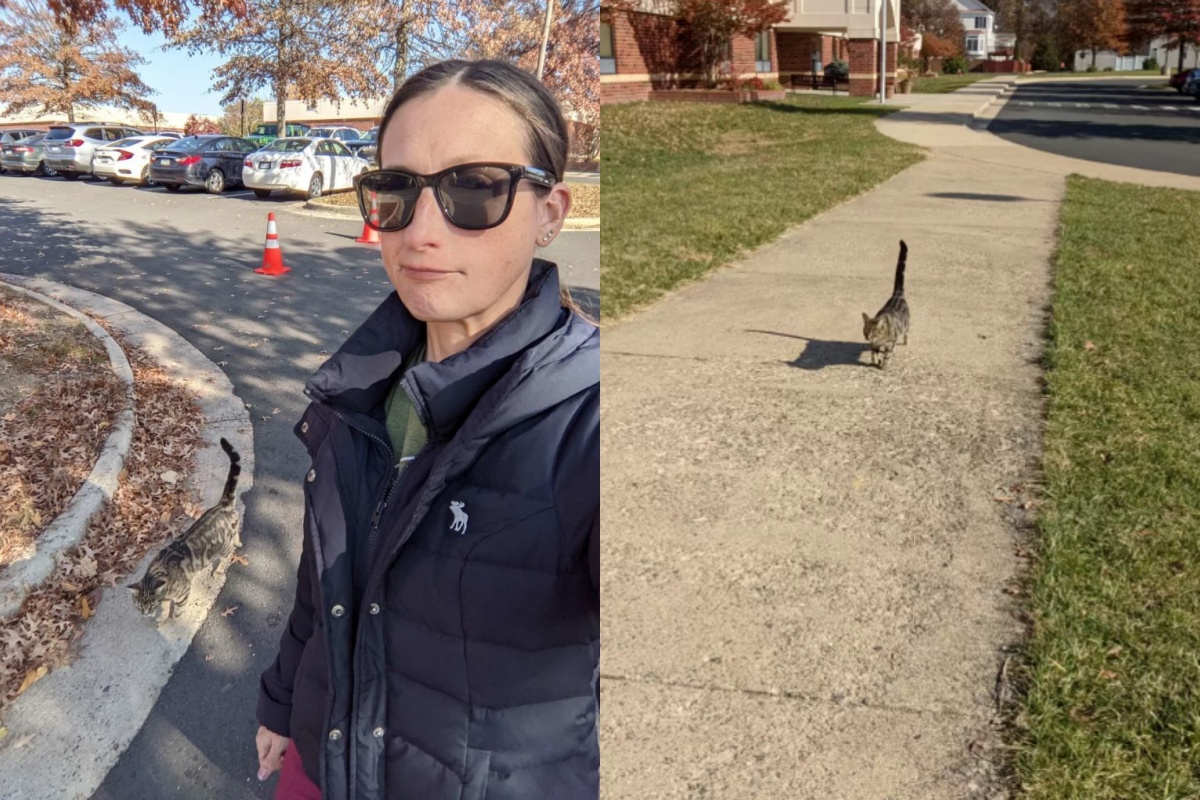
{"x": 213, "y": 537}
{"x": 890, "y": 325}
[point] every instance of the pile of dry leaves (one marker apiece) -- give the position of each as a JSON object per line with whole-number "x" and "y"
{"x": 62, "y": 401}
{"x": 149, "y": 507}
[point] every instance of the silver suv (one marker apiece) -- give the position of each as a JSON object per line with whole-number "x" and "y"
{"x": 70, "y": 147}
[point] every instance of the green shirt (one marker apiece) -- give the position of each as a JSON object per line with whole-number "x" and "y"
{"x": 403, "y": 425}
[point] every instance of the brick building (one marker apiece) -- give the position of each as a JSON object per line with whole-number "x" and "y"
{"x": 651, "y": 49}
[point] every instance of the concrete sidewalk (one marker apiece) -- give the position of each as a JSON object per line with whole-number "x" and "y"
{"x": 804, "y": 557}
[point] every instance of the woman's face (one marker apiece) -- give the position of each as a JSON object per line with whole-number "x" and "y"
{"x": 443, "y": 273}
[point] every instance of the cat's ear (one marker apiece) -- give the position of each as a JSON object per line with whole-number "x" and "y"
{"x": 159, "y": 583}
{"x": 134, "y": 587}
{"x": 866, "y": 319}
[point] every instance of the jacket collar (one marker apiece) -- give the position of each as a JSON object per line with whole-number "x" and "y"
{"x": 359, "y": 375}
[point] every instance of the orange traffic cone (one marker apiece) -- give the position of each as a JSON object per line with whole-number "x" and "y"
{"x": 272, "y": 263}
{"x": 369, "y": 234}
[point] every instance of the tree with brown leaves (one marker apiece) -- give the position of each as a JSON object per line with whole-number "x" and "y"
{"x": 298, "y": 49}
{"x": 1178, "y": 20}
{"x": 1093, "y": 24}
{"x": 56, "y": 69}
{"x": 197, "y": 125}
{"x": 511, "y": 30}
{"x": 241, "y": 116}
{"x": 940, "y": 26}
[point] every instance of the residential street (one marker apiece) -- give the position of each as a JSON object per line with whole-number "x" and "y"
{"x": 187, "y": 259}
{"x": 1114, "y": 122}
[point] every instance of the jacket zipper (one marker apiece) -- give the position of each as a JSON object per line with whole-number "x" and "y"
{"x": 394, "y": 477}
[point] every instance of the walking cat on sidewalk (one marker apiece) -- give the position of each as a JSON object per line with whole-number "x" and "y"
{"x": 214, "y": 537}
{"x": 890, "y": 325}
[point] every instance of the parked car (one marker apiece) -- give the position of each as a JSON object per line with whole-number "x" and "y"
{"x": 301, "y": 164}
{"x": 25, "y": 156}
{"x": 269, "y": 132}
{"x": 211, "y": 160}
{"x": 340, "y": 132}
{"x": 128, "y": 159}
{"x": 1180, "y": 79}
{"x": 364, "y": 147}
{"x": 70, "y": 147}
{"x": 13, "y": 135}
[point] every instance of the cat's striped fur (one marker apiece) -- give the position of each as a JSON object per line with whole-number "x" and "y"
{"x": 212, "y": 538}
{"x": 890, "y": 325}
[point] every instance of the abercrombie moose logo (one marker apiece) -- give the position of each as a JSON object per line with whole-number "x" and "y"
{"x": 460, "y": 517}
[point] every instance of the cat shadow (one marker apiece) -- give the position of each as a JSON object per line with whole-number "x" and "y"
{"x": 821, "y": 353}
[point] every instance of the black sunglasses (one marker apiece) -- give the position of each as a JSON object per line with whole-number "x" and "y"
{"x": 474, "y": 196}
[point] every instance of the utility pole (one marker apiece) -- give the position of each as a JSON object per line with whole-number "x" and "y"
{"x": 883, "y": 54}
{"x": 545, "y": 38}
{"x": 242, "y": 125}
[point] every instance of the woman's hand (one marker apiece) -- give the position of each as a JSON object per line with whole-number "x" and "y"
{"x": 271, "y": 747}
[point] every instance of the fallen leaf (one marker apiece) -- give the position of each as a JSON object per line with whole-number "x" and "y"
{"x": 85, "y": 609}
{"x": 70, "y": 587}
{"x": 32, "y": 677}
{"x": 24, "y": 740}
{"x": 170, "y": 476}
{"x": 1107, "y": 675}
{"x": 3, "y": 733}
{"x": 1115, "y": 651}
{"x": 229, "y": 611}
{"x": 1088, "y": 345}
{"x": 239, "y": 559}
{"x": 208, "y": 657}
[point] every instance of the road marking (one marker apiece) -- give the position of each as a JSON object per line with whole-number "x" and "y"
{"x": 1167, "y": 108}
{"x": 1083, "y": 105}
{"x": 1054, "y": 105}
{"x": 1139, "y": 108}
{"x": 1110, "y": 105}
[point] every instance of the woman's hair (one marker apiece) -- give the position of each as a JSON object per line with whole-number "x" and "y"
{"x": 547, "y": 140}
{"x": 532, "y": 102}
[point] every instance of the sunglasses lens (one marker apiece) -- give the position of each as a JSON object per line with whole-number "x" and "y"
{"x": 393, "y": 195}
{"x": 477, "y": 196}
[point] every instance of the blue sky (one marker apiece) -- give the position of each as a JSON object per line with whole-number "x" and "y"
{"x": 183, "y": 82}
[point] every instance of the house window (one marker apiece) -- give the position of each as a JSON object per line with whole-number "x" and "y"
{"x": 608, "y": 64}
{"x": 981, "y": 23}
{"x": 973, "y": 44}
{"x": 762, "y": 52}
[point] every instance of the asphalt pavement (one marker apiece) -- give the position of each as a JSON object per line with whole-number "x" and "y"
{"x": 1123, "y": 122}
{"x": 187, "y": 259}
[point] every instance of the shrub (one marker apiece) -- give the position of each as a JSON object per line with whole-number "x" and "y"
{"x": 837, "y": 70}
{"x": 1150, "y": 63}
{"x": 954, "y": 65}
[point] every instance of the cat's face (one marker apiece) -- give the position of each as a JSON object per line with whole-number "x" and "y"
{"x": 147, "y": 595}
{"x": 868, "y": 326}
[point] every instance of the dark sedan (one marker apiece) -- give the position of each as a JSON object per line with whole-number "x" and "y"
{"x": 212, "y": 161}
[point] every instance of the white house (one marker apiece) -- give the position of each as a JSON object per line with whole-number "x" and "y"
{"x": 980, "y": 24}
{"x": 1156, "y": 49}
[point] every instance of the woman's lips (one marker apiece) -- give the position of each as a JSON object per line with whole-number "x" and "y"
{"x": 425, "y": 273}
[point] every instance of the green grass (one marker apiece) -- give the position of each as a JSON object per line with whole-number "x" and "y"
{"x": 948, "y": 83}
{"x": 691, "y": 186}
{"x": 1111, "y": 707}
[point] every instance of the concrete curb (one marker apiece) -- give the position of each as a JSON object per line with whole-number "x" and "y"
{"x": 67, "y": 529}
{"x": 73, "y": 725}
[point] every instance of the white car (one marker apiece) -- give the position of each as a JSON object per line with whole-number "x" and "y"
{"x": 301, "y": 164}
{"x": 128, "y": 159}
{"x": 343, "y": 133}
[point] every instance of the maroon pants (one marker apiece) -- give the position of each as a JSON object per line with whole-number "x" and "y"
{"x": 293, "y": 783}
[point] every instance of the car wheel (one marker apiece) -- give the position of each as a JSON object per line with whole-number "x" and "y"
{"x": 262, "y": 192}
{"x": 145, "y": 176}
{"x": 315, "y": 186}
{"x": 49, "y": 172}
{"x": 216, "y": 182}
{"x": 171, "y": 187}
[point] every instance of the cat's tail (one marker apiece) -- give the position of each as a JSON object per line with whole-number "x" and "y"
{"x": 898, "y": 289}
{"x": 235, "y": 469}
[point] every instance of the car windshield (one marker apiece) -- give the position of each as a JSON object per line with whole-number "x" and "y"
{"x": 264, "y": 130}
{"x": 56, "y": 134}
{"x": 370, "y": 135}
{"x": 326, "y": 132}
{"x": 130, "y": 142}
{"x": 287, "y": 145}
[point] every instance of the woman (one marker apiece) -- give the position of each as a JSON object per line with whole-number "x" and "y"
{"x": 444, "y": 641}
